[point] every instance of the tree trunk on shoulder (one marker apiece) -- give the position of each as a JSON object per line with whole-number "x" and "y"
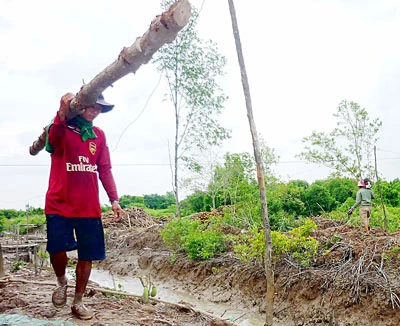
{"x": 163, "y": 29}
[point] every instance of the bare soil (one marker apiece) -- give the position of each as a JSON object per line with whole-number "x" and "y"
{"x": 353, "y": 281}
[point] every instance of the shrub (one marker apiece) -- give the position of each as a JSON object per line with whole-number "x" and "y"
{"x": 191, "y": 236}
{"x": 296, "y": 243}
{"x": 205, "y": 244}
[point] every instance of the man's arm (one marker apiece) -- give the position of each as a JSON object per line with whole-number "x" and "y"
{"x": 56, "y": 130}
{"x": 358, "y": 200}
{"x": 108, "y": 183}
{"x": 107, "y": 180}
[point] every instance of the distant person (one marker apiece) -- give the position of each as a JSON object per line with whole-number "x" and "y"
{"x": 79, "y": 156}
{"x": 364, "y": 198}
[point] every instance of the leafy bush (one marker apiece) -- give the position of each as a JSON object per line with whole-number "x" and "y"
{"x": 193, "y": 237}
{"x": 177, "y": 230}
{"x": 297, "y": 243}
{"x": 392, "y": 215}
{"x": 205, "y": 244}
{"x": 282, "y": 222}
{"x": 167, "y": 212}
{"x": 35, "y": 219}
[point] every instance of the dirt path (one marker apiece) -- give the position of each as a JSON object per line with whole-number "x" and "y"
{"x": 23, "y": 293}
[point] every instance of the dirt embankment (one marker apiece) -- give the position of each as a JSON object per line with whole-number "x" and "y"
{"x": 353, "y": 281}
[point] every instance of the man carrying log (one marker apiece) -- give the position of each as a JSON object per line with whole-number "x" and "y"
{"x": 79, "y": 156}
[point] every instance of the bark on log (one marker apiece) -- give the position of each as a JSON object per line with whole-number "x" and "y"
{"x": 163, "y": 29}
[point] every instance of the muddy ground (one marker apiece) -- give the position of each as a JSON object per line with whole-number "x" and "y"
{"x": 353, "y": 281}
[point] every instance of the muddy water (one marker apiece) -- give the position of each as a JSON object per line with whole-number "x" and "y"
{"x": 167, "y": 293}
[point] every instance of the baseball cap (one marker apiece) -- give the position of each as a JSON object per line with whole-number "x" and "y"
{"x": 361, "y": 183}
{"x": 105, "y": 105}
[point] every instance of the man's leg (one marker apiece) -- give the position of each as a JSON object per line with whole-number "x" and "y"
{"x": 83, "y": 270}
{"x": 364, "y": 215}
{"x": 59, "y": 262}
{"x": 90, "y": 238}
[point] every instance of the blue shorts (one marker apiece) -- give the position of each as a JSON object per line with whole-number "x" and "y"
{"x": 84, "y": 234}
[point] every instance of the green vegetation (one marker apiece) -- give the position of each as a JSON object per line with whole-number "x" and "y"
{"x": 198, "y": 240}
{"x": 149, "y": 289}
{"x": 393, "y": 255}
{"x": 290, "y": 204}
{"x": 296, "y": 243}
{"x": 9, "y": 219}
{"x": 16, "y": 266}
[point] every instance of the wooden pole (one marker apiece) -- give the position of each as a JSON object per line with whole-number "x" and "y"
{"x": 163, "y": 29}
{"x": 385, "y": 222}
{"x": 260, "y": 174}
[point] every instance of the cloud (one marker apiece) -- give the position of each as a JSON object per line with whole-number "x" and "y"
{"x": 302, "y": 59}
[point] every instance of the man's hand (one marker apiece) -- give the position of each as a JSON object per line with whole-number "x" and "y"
{"x": 350, "y": 211}
{"x": 65, "y": 103}
{"x": 117, "y": 210}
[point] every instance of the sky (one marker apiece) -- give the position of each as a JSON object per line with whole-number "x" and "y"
{"x": 302, "y": 59}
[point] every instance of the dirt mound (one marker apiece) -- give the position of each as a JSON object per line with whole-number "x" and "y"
{"x": 352, "y": 281}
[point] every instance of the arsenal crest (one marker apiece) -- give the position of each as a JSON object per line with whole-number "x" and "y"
{"x": 92, "y": 148}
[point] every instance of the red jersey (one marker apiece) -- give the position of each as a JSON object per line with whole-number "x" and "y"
{"x": 76, "y": 166}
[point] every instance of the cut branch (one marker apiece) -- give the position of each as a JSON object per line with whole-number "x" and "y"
{"x": 163, "y": 29}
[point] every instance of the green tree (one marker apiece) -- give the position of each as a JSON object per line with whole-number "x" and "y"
{"x": 198, "y": 201}
{"x": 348, "y": 148}
{"x": 390, "y": 192}
{"x": 11, "y": 213}
{"x": 340, "y": 189}
{"x": 236, "y": 178}
{"x": 128, "y": 201}
{"x": 318, "y": 199}
{"x": 155, "y": 201}
{"x": 191, "y": 68}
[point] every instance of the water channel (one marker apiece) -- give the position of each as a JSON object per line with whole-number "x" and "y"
{"x": 167, "y": 293}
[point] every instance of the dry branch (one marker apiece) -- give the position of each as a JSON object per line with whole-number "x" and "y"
{"x": 163, "y": 29}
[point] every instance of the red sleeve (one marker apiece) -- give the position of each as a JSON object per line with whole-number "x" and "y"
{"x": 105, "y": 174}
{"x": 57, "y": 132}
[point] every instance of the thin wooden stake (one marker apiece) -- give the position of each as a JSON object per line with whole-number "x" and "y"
{"x": 260, "y": 173}
{"x": 385, "y": 222}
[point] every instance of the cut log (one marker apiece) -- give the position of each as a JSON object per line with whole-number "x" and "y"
{"x": 163, "y": 29}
